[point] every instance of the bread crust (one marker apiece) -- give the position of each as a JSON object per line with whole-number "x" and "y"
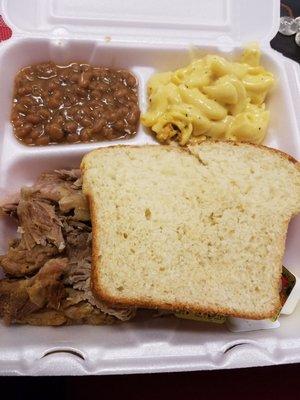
{"x": 100, "y": 292}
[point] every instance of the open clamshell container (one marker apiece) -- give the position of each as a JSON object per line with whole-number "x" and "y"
{"x": 143, "y": 37}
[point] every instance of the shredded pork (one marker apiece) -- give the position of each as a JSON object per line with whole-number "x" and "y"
{"x": 48, "y": 267}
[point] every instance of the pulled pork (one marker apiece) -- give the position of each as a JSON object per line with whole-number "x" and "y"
{"x": 18, "y": 298}
{"x": 48, "y": 267}
{"x": 39, "y": 222}
{"x": 19, "y": 261}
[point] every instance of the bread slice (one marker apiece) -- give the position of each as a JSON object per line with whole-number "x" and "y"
{"x": 201, "y": 229}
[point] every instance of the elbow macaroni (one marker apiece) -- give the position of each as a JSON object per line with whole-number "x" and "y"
{"x": 211, "y": 97}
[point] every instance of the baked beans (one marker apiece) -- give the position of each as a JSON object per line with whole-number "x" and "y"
{"x": 75, "y": 103}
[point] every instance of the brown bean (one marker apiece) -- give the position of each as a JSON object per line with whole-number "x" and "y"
{"x": 132, "y": 99}
{"x": 19, "y": 107}
{"x": 122, "y": 112}
{"x": 102, "y": 86}
{"x": 36, "y": 91}
{"x": 85, "y": 78}
{"x": 17, "y": 122}
{"x": 73, "y": 138}
{"x": 28, "y": 140}
{"x": 94, "y": 104}
{"x": 85, "y": 134}
{"x": 131, "y": 118}
{"x": 108, "y": 132}
{"x": 86, "y": 110}
{"x": 42, "y": 140}
{"x": 55, "y": 132}
{"x": 57, "y": 94}
{"x": 28, "y": 101}
{"x": 53, "y": 102}
{"x": 93, "y": 85}
{"x": 98, "y": 72}
{"x": 78, "y": 117}
{"x": 121, "y": 101}
{"x": 35, "y": 133}
{"x": 95, "y": 94}
{"x": 132, "y": 127}
{"x": 80, "y": 92}
{"x": 124, "y": 74}
{"x": 28, "y": 88}
{"x": 85, "y": 67}
{"x": 111, "y": 116}
{"x": 115, "y": 86}
{"x": 74, "y": 77}
{"x": 28, "y": 127}
{"x": 70, "y": 127}
{"x": 86, "y": 122}
{"x": 52, "y": 86}
{"x": 130, "y": 81}
{"x": 131, "y": 105}
{"x": 66, "y": 103}
{"x": 64, "y": 76}
{"x": 72, "y": 98}
{"x": 22, "y": 91}
{"x": 98, "y": 126}
{"x": 107, "y": 78}
{"x": 58, "y": 120}
{"x": 121, "y": 93}
{"x": 46, "y": 70}
{"x": 73, "y": 110}
{"x": 95, "y": 113}
{"x": 21, "y": 132}
{"x": 43, "y": 113}
{"x": 108, "y": 99}
{"x": 14, "y": 114}
{"x": 120, "y": 125}
{"x": 34, "y": 119}
{"x": 133, "y": 115}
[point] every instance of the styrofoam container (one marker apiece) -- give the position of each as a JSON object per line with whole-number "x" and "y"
{"x": 144, "y": 37}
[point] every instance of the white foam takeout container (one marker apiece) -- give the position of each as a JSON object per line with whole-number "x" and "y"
{"x": 144, "y": 37}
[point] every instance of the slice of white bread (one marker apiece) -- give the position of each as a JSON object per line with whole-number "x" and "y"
{"x": 201, "y": 229}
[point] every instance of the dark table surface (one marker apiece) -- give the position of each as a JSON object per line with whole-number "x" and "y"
{"x": 286, "y": 44}
{"x": 280, "y": 382}
{"x": 275, "y": 382}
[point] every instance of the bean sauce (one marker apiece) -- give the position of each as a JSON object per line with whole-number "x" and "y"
{"x": 75, "y": 103}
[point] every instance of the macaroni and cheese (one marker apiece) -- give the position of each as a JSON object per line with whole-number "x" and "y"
{"x": 211, "y": 97}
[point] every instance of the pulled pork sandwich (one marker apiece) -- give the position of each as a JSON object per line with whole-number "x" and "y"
{"x": 47, "y": 268}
